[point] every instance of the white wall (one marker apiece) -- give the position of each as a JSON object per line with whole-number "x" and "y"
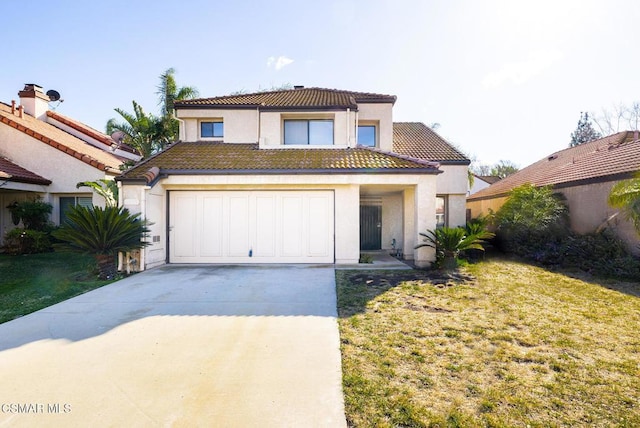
{"x": 240, "y": 126}
{"x": 418, "y": 208}
{"x": 382, "y": 114}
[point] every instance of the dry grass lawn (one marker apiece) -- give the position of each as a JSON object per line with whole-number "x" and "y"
{"x": 518, "y": 347}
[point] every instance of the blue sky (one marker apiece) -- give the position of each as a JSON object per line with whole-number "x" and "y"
{"x": 504, "y": 79}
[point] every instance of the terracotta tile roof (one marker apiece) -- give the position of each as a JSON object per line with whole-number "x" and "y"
{"x": 9, "y": 171}
{"x": 607, "y": 158}
{"x": 227, "y": 158}
{"x": 89, "y": 131}
{"x": 57, "y": 138}
{"x": 290, "y": 98}
{"x": 417, "y": 140}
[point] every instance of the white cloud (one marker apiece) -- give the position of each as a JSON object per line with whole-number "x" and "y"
{"x": 279, "y": 62}
{"x": 520, "y": 72}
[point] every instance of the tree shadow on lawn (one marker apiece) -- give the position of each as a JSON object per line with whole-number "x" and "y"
{"x": 355, "y": 288}
{"x": 625, "y": 286}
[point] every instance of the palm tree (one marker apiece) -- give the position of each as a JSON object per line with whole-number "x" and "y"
{"x": 450, "y": 241}
{"x": 108, "y": 189}
{"x": 169, "y": 92}
{"x": 626, "y": 196}
{"x": 143, "y": 131}
{"x": 103, "y": 232}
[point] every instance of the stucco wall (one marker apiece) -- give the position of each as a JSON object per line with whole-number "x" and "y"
{"x": 272, "y": 126}
{"x": 392, "y": 219}
{"x": 240, "y": 126}
{"x": 417, "y": 206}
{"x": 381, "y": 113}
{"x": 588, "y": 210}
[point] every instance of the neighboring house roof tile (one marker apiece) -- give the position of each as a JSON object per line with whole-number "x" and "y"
{"x": 89, "y": 131}
{"x": 290, "y": 98}
{"x": 488, "y": 178}
{"x": 9, "y": 171}
{"x": 227, "y": 158}
{"x": 59, "y": 139}
{"x": 608, "y": 158}
{"x": 417, "y": 140}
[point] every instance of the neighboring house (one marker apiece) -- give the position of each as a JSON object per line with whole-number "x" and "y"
{"x": 307, "y": 175}
{"x": 585, "y": 175}
{"x": 45, "y": 154}
{"x": 481, "y": 182}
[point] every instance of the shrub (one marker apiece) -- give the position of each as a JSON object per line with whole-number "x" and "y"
{"x": 103, "y": 232}
{"x": 33, "y": 214}
{"x": 26, "y": 241}
{"x": 449, "y": 242}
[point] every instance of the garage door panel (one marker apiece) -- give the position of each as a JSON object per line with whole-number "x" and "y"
{"x": 266, "y": 227}
{"x": 251, "y": 226}
{"x": 292, "y": 226}
{"x": 238, "y": 226}
{"x": 318, "y": 215}
{"x": 212, "y": 221}
{"x": 185, "y": 231}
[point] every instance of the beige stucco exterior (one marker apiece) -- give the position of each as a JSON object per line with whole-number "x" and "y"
{"x": 588, "y": 211}
{"x": 413, "y": 194}
{"x": 63, "y": 170}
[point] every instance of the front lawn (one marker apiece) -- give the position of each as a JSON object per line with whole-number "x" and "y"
{"x": 32, "y": 282}
{"x": 517, "y": 347}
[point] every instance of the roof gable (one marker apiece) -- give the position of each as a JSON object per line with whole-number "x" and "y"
{"x": 605, "y": 159}
{"x": 417, "y": 140}
{"x": 60, "y": 140}
{"x": 310, "y": 98}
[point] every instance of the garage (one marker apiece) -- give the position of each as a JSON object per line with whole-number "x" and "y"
{"x": 251, "y": 226}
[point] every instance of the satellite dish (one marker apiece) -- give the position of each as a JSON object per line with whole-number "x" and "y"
{"x": 53, "y": 95}
{"x": 118, "y": 136}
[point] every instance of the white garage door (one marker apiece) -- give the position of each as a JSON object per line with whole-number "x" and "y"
{"x": 251, "y": 227}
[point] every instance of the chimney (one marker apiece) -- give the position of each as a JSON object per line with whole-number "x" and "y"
{"x": 298, "y": 87}
{"x": 35, "y": 102}
{"x": 635, "y": 135}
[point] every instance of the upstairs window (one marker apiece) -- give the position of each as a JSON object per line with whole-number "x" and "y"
{"x": 367, "y": 135}
{"x": 212, "y": 129}
{"x": 318, "y": 132}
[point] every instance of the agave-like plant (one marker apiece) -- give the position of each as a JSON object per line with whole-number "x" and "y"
{"x": 450, "y": 241}
{"x": 103, "y": 232}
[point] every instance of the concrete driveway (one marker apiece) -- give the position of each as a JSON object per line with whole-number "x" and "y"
{"x": 236, "y": 346}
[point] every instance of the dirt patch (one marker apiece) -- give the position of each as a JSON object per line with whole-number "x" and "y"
{"x": 387, "y": 279}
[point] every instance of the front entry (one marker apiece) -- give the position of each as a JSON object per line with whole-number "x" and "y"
{"x": 370, "y": 227}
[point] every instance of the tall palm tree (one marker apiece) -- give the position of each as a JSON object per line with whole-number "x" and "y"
{"x": 626, "y": 196}
{"x": 169, "y": 92}
{"x": 143, "y": 131}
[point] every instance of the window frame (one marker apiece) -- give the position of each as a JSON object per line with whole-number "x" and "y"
{"x": 375, "y": 133}
{"x": 445, "y": 212}
{"x": 62, "y": 207}
{"x": 213, "y": 123}
{"x": 308, "y": 121}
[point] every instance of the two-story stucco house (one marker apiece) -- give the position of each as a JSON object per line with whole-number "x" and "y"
{"x": 44, "y": 154}
{"x": 306, "y": 175}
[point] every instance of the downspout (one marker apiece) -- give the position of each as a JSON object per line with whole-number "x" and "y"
{"x": 348, "y": 127}
{"x": 355, "y": 131}
{"x": 258, "y": 126}
{"x": 143, "y": 217}
{"x": 181, "y": 129}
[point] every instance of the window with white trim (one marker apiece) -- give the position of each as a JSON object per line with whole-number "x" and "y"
{"x": 367, "y": 135}
{"x": 441, "y": 211}
{"x": 318, "y": 132}
{"x": 212, "y": 129}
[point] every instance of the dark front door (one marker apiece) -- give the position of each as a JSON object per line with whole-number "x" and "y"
{"x": 370, "y": 227}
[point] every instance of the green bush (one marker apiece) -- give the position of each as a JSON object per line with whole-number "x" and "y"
{"x": 26, "y": 241}
{"x": 33, "y": 214}
{"x": 600, "y": 254}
